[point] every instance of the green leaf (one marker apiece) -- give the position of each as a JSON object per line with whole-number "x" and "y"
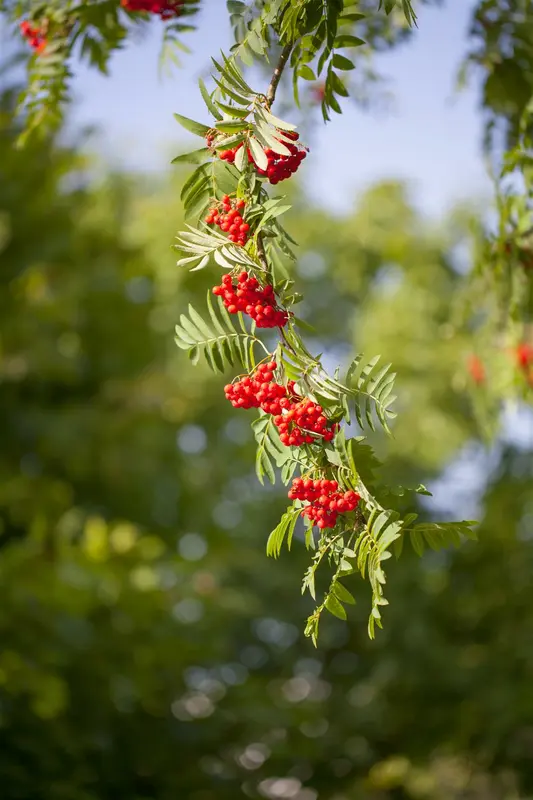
{"x": 277, "y": 122}
{"x": 347, "y": 40}
{"x": 192, "y": 126}
{"x": 352, "y": 17}
{"x": 196, "y": 157}
{"x": 334, "y": 607}
{"x": 338, "y": 86}
{"x": 232, "y": 126}
{"x": 231, "y": 141}
{"x": 233, "y": 111}
{"x": 236, "y": 7}
{"x": 258, "y": 153}
{"x": 371, "y": 391}
{"x": 266, "y": 137}
{"x": 243, "y": 101}
{"x": 218, "y": 339}
{"x": 240, "y": 159}
{"x": 343, "y": 594}
{"x": 211, "y": 107}
{"x": 306, "y": 73}
{"x": 292, "y": 526}
{"x": 340, "y": 62}
{"x": 277, "y": 537}
{"x": 439, "y": 535}
{"x": 305, "y": 326}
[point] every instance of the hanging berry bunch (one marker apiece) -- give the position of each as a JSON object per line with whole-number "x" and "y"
{"x": 34, "y": 35}
{"x": 524, "y": 360}
{"x": 227, "y": 216}
{"x": 303, "y": 413}
{"x": 476, "y": 369}
{"x": 166, "y": 9}
{"x": 247, "y": 295}
{"x": 279, "y": 165}
{"x": 298, "y": 420}
{"x": 325, "y": 500}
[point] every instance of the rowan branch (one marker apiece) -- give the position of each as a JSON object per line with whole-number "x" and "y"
{"x": 278, "y": 72}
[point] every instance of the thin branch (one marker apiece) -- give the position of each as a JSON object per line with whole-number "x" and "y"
{"x": 261, "y": 254}
{"x": 278, "y": 72}
{"x": 271, "y": 96}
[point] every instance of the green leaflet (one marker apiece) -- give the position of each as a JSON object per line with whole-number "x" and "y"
{"x": 217, "y": 338}
{"x": 196, "y": 157}
{"x": 232, "y": 126}
{"x": 190, "y": 125}
{"x": 440, "y": 535}
{"x": 285, "y": 528}
{"x": 335, "y": 607}
{"x": 342, "y": 593}
{"x": 269, "y": 448}
{"x": 207, "y": 246}
{"x": 209, "y": 180}
{"x": 340, "y": 62}
{"x": 258, "y": 153}
{"x": 211, "y": 107}
{"x": 346, "y": 40}
{"x": 371, "y": 389}
{"x": 390, "y": 5}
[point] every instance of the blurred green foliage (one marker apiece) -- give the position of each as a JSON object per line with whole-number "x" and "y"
{"x": 150, "y": 650}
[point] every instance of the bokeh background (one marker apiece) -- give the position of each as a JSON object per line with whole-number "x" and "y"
{"x": 149, "y": 649}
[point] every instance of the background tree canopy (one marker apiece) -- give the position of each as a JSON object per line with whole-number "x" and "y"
{"x": 150, "y": 651}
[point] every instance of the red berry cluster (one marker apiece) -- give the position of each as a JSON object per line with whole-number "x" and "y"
{"x": 228, "y": 218}
{"x": 296, "y": 419}
{"x": 247, "y": 295}
{"x": 476, "y": 369}
{"x": 302, "y": 419}
{"x": 279, "y": 167}
{"x": 165, "y": 8}
{"x": 318, "y": 92}
{"x": 257, "y": 390}
{"x": 524, "y": 357}
{"x": 35, "y": 36}
{"x": 282, "y": 167}
{"x": 325, "y": 500}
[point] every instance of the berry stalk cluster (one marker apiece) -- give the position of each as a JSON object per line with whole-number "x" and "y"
{"x": 280, "y": 167}
{"x": 247, "y": 295}
{"x": 35, "y": 36}
{"x": 325, "y": 500}
{"x": 166, "y": 9}
{"x": 523, "y": 356}
{"x": 227, "y": 215}
{"x": 298, "y": 420}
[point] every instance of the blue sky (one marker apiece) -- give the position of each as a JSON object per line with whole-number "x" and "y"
{"x": 430, "y": 136}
